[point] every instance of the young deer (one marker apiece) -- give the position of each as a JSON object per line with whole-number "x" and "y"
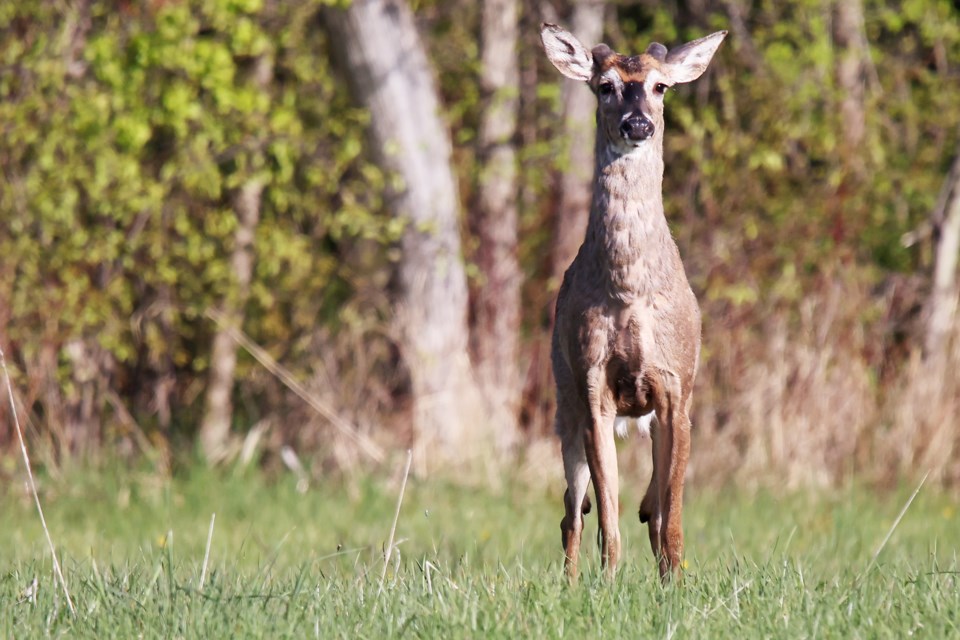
{"x": 627, "y": 336}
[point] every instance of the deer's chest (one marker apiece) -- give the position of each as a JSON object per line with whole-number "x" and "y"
{"x": 624, "y": 336}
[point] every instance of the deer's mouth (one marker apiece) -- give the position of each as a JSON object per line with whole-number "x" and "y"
{"x": 633, "y": 144}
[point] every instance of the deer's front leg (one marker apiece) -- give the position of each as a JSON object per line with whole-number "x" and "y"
{"x": 574, "y": 499}
{"x": 663, "y": 503}
{"x": 601, "y": 453}
{"x": 671, "y": 495}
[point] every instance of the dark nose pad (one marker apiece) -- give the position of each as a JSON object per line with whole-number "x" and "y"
{"x": 636, "y": 128}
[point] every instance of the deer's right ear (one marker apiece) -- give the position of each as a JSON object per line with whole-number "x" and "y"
{"x": 566, "y": 53}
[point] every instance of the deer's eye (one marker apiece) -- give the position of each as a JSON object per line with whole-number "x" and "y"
{"x": 605, "y": 89}
{"x": 660, "y": 88}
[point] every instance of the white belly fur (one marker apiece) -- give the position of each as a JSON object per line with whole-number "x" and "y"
{"x": 621, "y": 425}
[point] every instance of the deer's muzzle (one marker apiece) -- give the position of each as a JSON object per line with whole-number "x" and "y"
{"x": 636, "y": 128}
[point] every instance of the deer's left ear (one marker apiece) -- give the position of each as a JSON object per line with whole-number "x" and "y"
{"x": 566, "y": 53}
{"x": 687, "y": 62}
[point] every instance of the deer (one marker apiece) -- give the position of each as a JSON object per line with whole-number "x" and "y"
{"x": 626, "y": 339}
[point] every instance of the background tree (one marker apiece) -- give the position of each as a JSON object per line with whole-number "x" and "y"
{"x": 575, "y": 174}
{"x": 390, "y": 75}
{"x": 495, "y": 330}
{"x": 218, "y": 406}
{"x": 942, "y": 303}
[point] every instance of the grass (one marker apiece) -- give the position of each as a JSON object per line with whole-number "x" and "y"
{"x": 470, "y": 562}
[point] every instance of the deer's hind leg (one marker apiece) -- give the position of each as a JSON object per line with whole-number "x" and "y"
{"x": 650, "y": 505}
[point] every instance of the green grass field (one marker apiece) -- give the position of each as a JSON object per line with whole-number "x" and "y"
{"x": 471, "y": 562}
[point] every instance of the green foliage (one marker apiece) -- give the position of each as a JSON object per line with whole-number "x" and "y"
{"x": 121, "y": 158}
{"x": 758, "y": 141}
{"x": 128, "y": 131}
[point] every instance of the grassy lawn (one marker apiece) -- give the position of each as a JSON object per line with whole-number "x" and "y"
{"x": 471, "y": 562}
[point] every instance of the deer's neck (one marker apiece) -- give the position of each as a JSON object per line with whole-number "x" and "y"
{"x": 627, "y": 233}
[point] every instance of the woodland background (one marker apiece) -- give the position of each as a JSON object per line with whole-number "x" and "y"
{"x": 382, "y": 197}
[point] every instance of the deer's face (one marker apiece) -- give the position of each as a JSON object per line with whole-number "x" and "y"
{"x": 629, "y": 94}
{"x": 629, "y": 89}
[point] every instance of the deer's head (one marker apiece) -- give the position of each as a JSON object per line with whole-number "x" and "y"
{"x": 629, "y": 89}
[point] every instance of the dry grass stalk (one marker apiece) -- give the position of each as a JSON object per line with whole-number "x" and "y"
{"x": 365, "y": 444}
{"x": 206, "y": 553}
{"x": 896, "y": 523}
{"x": 393, "y": 528}
{"x": 33, "y": 484}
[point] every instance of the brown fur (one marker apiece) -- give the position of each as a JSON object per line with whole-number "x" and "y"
{"x": 627, "y": 335}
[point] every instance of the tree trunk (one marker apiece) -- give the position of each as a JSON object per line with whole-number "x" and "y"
{"x": 579, "y": 132}
{"x": 742, "y": 40}
{"x": 91, "y": 366}
{"x": 218, "y": 404}
{"x": 942, "y": 304}
{"x": 575, "y": 189}
{"x": 496, "y": 300}
{"x": 850, "y": 73}
{"x": 387, "y": 68}
{"x": 851, "y": 42}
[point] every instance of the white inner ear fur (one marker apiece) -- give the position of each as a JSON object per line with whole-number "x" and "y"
{"x": 688, "y": 62}
{"x": 566, "y": 53}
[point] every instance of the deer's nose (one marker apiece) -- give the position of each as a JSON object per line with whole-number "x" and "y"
{"x": 636, "y": 128}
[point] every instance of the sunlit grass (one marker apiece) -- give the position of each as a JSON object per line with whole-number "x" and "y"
{"x": 472, "y": 562}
